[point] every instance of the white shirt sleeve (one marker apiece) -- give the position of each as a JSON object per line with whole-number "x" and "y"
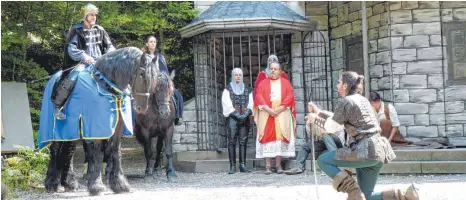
{"x": 393, "y": 115}
{"x": 251, "y": 103}
{"x": 331, "y": 126}
{"x": 227, "y": 105}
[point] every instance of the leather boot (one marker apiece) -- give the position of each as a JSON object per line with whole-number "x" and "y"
{"x": 243, "y": 145}
{"x": 232, "y": 158}
{"x": 61, "y": 92}
{"x": 410, "y": 193}
{"x": 300, "y": 163}
{"x": 344, "y": 182}
{"x": 242, "y": 159}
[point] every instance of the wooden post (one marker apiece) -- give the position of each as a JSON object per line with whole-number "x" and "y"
{"x": 365, "y": 46}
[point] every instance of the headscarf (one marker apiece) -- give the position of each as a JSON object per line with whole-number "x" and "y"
{"x": 267, "y": 70}
{"x": 238, "y": 88}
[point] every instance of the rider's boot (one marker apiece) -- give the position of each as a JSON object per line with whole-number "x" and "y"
{"x": 61, "y": 92}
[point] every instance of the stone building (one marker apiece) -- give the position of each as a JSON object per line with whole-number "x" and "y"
{"x": 416, "y": 57}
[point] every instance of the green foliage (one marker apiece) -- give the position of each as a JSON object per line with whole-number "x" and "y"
{"x": 26, "y": 169}
{"x": 33, "y": 36}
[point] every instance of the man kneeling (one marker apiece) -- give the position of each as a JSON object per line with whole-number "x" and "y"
{"x": 328, "y": 142}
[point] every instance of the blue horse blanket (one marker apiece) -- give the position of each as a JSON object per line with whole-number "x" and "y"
{"x": 92, "y": 112}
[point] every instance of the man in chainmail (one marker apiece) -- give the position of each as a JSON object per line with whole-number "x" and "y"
{"x": 85, "y": 43}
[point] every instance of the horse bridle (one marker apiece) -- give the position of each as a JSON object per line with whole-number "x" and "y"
{"x": 143, "y": 94}
{"x": 165, "y": 103}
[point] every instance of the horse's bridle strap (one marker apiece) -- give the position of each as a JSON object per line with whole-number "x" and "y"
{"x": 141, "y": 94}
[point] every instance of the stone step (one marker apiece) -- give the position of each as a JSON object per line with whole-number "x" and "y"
{"x": 425, "y": 167}
{"x": 431, "y": 154}
{"x": 396, "y": 167}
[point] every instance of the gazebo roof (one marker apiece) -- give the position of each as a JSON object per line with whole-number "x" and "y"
{"x": 246, "y": 15}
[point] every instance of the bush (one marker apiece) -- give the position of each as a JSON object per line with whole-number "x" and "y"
{"x": 26, "y": 169}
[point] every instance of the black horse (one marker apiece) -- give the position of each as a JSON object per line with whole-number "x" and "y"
{"x": 127, "y": 68}
{"x": 158, "y": 122}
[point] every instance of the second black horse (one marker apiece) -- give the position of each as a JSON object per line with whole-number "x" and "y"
{"x": 158, "y": 122}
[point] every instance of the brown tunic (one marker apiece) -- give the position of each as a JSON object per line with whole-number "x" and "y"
{"x": 386, "y": 125}
{"x": 359, "y": 120}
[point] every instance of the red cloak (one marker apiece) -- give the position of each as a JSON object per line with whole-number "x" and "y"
{"x": 262, "y": 97}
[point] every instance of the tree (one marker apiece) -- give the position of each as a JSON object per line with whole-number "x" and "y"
{"x": 33, "y": 36}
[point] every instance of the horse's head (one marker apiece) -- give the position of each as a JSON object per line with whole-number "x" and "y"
{"x": 129, "y": 67}
{"x": 144, "y": 83}
{"x": 162, "y": 96}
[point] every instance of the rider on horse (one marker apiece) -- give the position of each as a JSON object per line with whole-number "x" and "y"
{"x": 85, "y": 43}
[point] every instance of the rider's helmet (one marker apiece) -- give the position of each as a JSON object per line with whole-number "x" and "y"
{"x": 88, "y": 9}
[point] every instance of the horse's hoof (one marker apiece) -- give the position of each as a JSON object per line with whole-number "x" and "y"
{"x": 96, "y": 189}
{"x": 70, "y": 189}
{"x": 71, "y": 185}
{"x": 172, "y": 174}
{"x": 157, "y": 172}
{"x": 51, "y": 188}
{"x": 119, "y": 184}
{"x": 149, "y": 172}
{"x": 173, "y": 179}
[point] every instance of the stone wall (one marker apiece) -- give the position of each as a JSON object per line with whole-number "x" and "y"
{"x": 427, "y": 106}
{"x": 346, "y": 25}
{"x": 185, "y": 135}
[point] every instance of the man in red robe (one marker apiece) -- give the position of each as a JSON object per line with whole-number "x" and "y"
{"x": 266, "y": 73}
{"x": 275, "y": 116}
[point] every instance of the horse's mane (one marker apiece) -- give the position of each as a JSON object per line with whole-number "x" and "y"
{"x": 121, "y": 66}
{"x": 163, "y": 83}
{"x": 164, "y": 80}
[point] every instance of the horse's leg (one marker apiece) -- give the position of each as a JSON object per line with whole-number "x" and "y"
{"x": 169, "y": 151}
{"x": 53, "y": 175}
{"x": 68, "y": 177}
{"x": 158, "y": 157}
{"x": 95, "y": 156}
{"x": 108, "y": 160}
{"x": 118, "y": 182}
{"x": 148, "y": 153}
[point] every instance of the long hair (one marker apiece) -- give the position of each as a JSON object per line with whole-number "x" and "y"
{"x": 121, "y": 66}
{"x": 354, "y": 81}
{"x": 145, "y": 49}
